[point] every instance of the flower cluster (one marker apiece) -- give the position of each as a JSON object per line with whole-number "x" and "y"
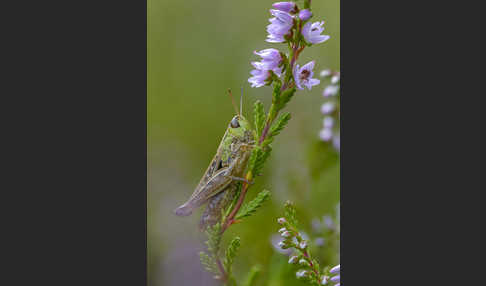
{"x": 291, "y": 238}
{"x": 337, "y": 278}
{"x": 330, "y": 131}
{"x": 271, "y": 63}
{"x": 309, "y": 271}
{"x": 332, "y": 276}
{"x": 290, "y": 25}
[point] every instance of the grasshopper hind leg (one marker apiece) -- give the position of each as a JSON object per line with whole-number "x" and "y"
{"x": 212, "y": 213}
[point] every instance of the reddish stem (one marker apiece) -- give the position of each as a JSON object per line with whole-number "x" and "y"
{"x": 224, "y": 276}
{"x": 311, "y": 264}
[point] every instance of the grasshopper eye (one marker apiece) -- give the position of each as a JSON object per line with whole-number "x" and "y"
{"x": 234, "y": 123}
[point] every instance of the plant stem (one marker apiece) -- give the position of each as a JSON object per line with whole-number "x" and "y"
{"x": 310, "y": 263}
{"x": 224, "y": 275}
{"x": 272, "y": 114}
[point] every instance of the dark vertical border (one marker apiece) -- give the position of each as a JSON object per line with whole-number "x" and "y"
{"x": 410, "y": 215}
{"x": 75, "y": 78}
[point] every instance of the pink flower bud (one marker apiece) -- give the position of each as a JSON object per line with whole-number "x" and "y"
{"x": 284, "y": 6}
{"x": 305, "y": 14}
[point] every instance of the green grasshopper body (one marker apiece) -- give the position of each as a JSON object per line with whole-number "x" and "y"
{"x": 219, "y": 183}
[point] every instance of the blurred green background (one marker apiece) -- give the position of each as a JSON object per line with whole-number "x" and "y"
{"x": 196, "y": 51}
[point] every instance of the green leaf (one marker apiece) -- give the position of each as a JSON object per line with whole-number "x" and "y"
{"x": 267, "y": 141}
{"x": 278, "y": 126}
{"x": 251, "y": 207}
{"x": 251, "y": 277}
{"x": 259, "y": 117}
{"x": 285, "y": 98}
{"x": 276, "y": 92}
{"x": 261, "y": 159}
{"x": 231, "y": 254}
{"x": 290, "y": 214}
{"x": 214, "y": 238}
{"x": 208, "y": 263}
{"x": 254, "y": 157}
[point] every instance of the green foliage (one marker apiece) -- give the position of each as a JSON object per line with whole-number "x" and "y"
{"x": 253, "y": 157}
{"x": 252, "y": 275}
{"x": 285, "y": 98}
{"x": 290, "y": 214}
{"x": 258, "y": 157}
{"x": 231, "y": 254}
{"x": 208, "y": 262}
{"x": 276, "y": 92}
{"x": 214, "y": 238}
{"x": 278, "y": 126}
{"x": 251, "y": 207}
{"x": 267, "y": 141}
{"x": 259, "y": 117}
{"x": 262, "y": 158}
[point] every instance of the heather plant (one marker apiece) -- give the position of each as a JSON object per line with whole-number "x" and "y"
{"x": 330, "y": 109}
{"x": 309, "y": 268}
{"x": 290, "y": 25}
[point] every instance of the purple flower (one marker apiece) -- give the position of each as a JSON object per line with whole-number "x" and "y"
{"x": 293, "y": 259}
{"x": 312, "y": 32}
{"x": 279, "y": 26}
{"x": 305, "y": 14}
{"x": 327, "y": 108}
{"x": 328, "y": 222}
{"x": 277, "y": 243}
{"x": 288, "y": 7}
{"x": 303, "y": 244}
{"x": 286, "y": 234}
{"x": 303, "y": 76}
{"x": 271, "y": 58}
{"x": 303, "y": 262}
{"x": 336, "y": 278}
{"x": 330, "y": 90}
{"x": 319, "y": 241}
{"x": 328, "y": 122}
{"x": 325, "y": 73}
{"x": 335, "y": 79}
{"x": 324, "y": 280}
{"x": 301, "y": 273}
{"x": 336, "y": 269}
{"x": 258, "y": 77}
{"x": 325, "y": 134}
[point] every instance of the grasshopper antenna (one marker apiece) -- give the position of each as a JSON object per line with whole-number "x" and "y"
{"x": 241, "y": 101}
{"x": 233, "y": 100}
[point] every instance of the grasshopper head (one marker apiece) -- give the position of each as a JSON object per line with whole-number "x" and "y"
{"x": 238, "y": 126}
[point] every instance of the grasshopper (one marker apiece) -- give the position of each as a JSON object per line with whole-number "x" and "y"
{"x": 219, "y": 183}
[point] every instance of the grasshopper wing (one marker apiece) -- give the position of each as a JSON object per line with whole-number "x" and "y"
{"x": 201, "y": 195}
